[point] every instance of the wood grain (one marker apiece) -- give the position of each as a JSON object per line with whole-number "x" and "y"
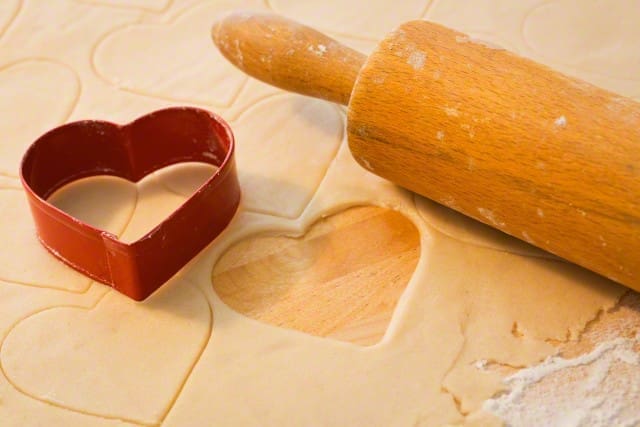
{"x": 342, "y": 279}
{"x": 288, "y": 55}
{"x": 541, "y": 156}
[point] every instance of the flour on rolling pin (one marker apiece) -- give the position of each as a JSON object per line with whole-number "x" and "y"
{"x": 307, "y": 56}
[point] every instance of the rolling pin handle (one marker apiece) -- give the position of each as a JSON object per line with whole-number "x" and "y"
{"x": 288, "y": 55}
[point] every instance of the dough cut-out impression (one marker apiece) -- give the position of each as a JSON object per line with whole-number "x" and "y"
{"x": 22, "y": 82}
{"x": 279, "y": 138}
{"x": 8, "y": 12}
{"x": 118, "y": 359}
{"x": 611, "y": 51}
{"x": 150, "y": 59}
{"x": 23, "y": 260}
{"x": 341, "y": 279}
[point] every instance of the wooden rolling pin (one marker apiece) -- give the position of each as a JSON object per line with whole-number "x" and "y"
{"x": 541, "y": 156}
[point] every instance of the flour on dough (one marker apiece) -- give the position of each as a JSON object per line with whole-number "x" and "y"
{"x": 76, "y": 353}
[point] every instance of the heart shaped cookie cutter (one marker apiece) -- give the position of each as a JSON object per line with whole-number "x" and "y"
{"x": 132, "y": 151}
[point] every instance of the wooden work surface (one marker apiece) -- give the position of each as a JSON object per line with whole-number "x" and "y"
{"x": 343, "y": 278}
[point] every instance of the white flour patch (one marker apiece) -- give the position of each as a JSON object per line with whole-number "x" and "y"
{"x": 450, "y": 202}
{"x": 490, "y": 216}
{"x": 527, "y": 238}
{"x": 366, "y": 164}
{"x": 589, "y": 390}
{"x": 379, "y": 79}
{"x": 603, "y": 242}
{"x": 417, "y": 60}
{"x": 318, "y": 50}
{"x": 451, "y": 112}
{"x": 561, "y": 122}
{"x": 481, "y": 364}
{"x": 471, "y": 164}
{"x": 239, "y": 56}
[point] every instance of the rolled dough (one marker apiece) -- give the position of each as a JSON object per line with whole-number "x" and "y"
{"x": 479, "y": 307}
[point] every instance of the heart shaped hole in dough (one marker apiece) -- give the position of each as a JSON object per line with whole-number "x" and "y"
{"x": 341, "y": 279}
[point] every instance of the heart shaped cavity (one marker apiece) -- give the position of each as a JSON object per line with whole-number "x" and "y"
{"x": 119, "y": 359}
{"x": 602, "y": 39}
{"x": 284, "y": 147}
{"x": 342, "y": 279}
{"x": 151, "y": 59}
{"x": 364, "y": 18}
{"x": 31, "y": 105}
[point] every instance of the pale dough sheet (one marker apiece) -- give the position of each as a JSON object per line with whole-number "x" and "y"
{"x": 479, "y": 307}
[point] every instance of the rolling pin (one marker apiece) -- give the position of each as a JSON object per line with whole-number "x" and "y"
{"x": 544, "y": 157}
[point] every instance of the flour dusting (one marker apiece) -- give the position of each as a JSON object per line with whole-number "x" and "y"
{"x": 366, "y": 164}
{"x": 561, "y": 122}
{"x": 527, "y": 238}
{"x": 451, "y": 112}
{"x": 318, "y": 50}
{"x": 417, "y": 60}
{"x": 600, "y": 388}
{"x": 490, "y": 216}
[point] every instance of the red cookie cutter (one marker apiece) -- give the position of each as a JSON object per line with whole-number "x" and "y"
{"x": 88, "y": 148}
